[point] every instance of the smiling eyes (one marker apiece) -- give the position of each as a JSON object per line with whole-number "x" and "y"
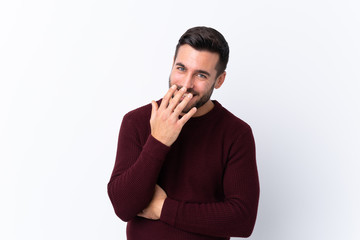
{"x": 182, "y": 69}
{"x": 201, "y": 75}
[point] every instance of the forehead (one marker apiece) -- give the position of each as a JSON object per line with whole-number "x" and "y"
{"x": 192, "y": 58}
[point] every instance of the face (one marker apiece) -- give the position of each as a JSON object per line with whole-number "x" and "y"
{"x": 196, "y": 71}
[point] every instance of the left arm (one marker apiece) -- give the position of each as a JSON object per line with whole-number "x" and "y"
{"x": 153, "y": 210}
{"x": 234, "y": 216}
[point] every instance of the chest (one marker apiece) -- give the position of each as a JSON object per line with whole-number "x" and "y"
{"x": 194, "y": 167}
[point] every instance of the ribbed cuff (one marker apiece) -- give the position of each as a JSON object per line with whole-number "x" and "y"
{"x": 169, "y": 211}
{"x": 155, "y": 148}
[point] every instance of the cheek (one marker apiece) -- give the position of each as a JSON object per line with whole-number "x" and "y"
{"x": 202, "y": 87}
{"x": 175, "y": 78}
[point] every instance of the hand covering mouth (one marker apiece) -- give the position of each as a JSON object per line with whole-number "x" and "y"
{"x": 186, "y": 94}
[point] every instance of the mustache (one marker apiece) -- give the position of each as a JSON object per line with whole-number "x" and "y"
{"x": 189, "y": 90}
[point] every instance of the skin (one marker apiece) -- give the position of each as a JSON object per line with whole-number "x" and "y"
{"x": 196, "y": 70}
{"x": 192, "y": 80}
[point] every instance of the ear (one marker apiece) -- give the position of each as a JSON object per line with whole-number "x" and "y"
{"x": 220, "y": 80}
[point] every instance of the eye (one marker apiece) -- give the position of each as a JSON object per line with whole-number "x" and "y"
{"x": 202, "y": 75}
{"x": 181, "y": 69}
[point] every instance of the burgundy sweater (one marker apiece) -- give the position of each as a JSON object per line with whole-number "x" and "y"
{"x": 209, "y": 175}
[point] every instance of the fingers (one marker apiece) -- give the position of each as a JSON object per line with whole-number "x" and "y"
{"x": 154, "y": 108}
{"x": 187, "y": 116}
{"x": 167, "y": 97}
{"x": 164, "y": 121}
{"x": 159, "y": 192}
{"x": 172, "y": 98}
{"x": 145, "y": 214}
{"x": 176, "y": 99}
{"x": 180, "y": 107}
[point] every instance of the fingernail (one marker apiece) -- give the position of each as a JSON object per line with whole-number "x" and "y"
{"x": 189, "y": 95}
{"x": 183, "y": 89}
{"x": 173, "y": 86}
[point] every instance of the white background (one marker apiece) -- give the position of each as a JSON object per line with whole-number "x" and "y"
{"x": 71, "y": 69}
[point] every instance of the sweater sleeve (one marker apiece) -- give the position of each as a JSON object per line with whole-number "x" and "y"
{"x": 136, "y": 170}
{"x": 234, "y": 216}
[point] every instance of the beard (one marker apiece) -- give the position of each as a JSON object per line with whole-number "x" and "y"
{"x": 200, "y": 102}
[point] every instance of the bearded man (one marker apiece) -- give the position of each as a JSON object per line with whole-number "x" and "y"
{"x": 185, "y": 166}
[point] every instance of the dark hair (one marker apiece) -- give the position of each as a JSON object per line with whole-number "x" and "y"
{"x": 205, "y": 38}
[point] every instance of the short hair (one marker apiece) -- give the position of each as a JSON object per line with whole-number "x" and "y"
{"x": 209, "y": 39}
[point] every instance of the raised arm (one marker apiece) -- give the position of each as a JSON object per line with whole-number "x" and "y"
{"x": 137, "y": 165}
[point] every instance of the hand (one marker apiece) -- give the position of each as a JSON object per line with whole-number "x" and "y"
{"x": 165, "y": 123}
{"x": 153, "y": 210}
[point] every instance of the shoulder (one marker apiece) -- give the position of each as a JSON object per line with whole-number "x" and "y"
{"x": 238, "y": 135}
{"x": 137, "y": 120}
{"x": 139, "y": 113}
{"x": 233, "y": 123}
{"x": 136, "y": 123}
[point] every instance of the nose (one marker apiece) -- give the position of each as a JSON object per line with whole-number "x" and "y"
{"x": 188, "y": 81}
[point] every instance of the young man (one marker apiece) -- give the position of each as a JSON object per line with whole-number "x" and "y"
{"x": 185, "y": 166}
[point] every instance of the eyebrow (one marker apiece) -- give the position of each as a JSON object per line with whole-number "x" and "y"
{"x": 198, "y": 71}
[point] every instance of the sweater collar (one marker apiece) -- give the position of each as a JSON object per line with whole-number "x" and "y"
{"x": 211, "y": 114}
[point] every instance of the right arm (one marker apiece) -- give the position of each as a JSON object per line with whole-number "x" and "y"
{"x": 135, "y": 172}
{"x": 131, "y": 186}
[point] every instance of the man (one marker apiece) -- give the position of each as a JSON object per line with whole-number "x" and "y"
{"x": 185, "y": 166}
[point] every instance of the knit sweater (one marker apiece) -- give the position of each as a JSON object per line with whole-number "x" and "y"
{"x": 209, "y": 175}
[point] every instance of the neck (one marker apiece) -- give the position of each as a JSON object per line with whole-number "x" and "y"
{"x": 204, "y": 109}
